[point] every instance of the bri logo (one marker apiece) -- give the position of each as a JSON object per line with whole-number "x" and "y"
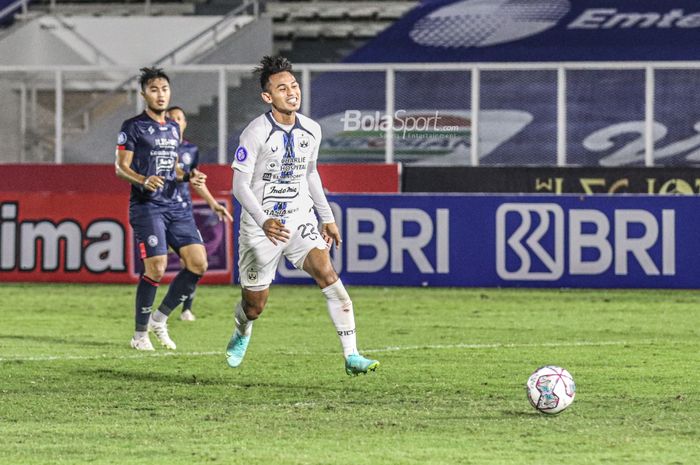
{"x": 532, "y": 241}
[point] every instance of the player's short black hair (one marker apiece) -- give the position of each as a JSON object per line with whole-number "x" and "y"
{"x": 271, "y": 65}
{"x": 175, "y": 107}
{"x": 148, "y": 74}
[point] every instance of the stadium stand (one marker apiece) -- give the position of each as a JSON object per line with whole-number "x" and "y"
{"x": 81, "y": 32}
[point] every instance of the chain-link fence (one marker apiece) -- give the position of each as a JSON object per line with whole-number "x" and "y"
{"x": 583, "y": 114}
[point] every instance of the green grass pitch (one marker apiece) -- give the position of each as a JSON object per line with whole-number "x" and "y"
{"x": 450, "y": 388}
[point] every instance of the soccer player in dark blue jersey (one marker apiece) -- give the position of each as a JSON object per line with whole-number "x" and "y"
{"x": 188, "y": 161}
{"x": 147, "y": 157}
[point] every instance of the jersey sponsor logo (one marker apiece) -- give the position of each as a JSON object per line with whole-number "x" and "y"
{"x": 271, "y": 165}
{"x": 280, "y": 192}
{"x": 241, "y": 154}
{"x": 267, "y": 176}
{"x": 274, "y": 148}
{"x": 164, "y": 164}
{"x": 186, "y": 158}
{"x": 151, "y": 130}
{"x": 152, "y": 240}
{"x": 166, "y": 142}
{"x": 121, "y": 139}
{"x": 476, "y": 23}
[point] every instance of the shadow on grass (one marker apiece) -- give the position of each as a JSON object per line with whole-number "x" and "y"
{"x": 189, "y": 378}
{"x": 521, "y": 413}
{"x": 59, "y": 340}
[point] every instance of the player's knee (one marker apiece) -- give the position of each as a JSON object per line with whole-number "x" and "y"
{"x": 253, "y": 309}
{"x": 198, "y": 266}
{"x": 156, "y": 270}
{"x": 326, "y": 277}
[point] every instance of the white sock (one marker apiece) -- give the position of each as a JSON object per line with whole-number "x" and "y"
{"x": 243, "y": 325}
{"x": 159, "y": 317}
{"x": 341, "y": 312}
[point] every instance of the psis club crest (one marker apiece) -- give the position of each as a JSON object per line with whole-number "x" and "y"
{"x": 304, "y": 143}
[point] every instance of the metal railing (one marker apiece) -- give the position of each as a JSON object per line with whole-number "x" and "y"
{"x": 13, "y": 7}
{"x": 389, "y": 71}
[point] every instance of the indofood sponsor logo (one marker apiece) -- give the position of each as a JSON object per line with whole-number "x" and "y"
{"x": 482, "y": 23}
{"x": 418, "y": 135}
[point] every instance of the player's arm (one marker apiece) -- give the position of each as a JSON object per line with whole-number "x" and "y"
{"x": 272, "y": 227}
{"x": 329, "y": 229}
{"x": 196, "y": 178}
{"x": 220, "y": 210}
{"x": 124, "y": 171}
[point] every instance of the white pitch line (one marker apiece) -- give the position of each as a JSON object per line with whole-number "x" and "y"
{"x": 516, "y": 346}
{"x": 141, "y": 355}
{"x": 138, "y": 355}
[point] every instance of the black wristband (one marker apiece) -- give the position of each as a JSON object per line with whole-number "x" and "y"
{"x": 186, "y": 177}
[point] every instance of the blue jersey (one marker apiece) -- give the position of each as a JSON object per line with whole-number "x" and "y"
{"x": 155, "y": 148}
{"x": 188, "y": 160}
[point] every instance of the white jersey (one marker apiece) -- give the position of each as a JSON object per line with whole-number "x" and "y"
{"x": 278, "y": 161}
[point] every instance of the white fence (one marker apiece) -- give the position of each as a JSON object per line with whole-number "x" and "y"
{"x": 477, "y": 89}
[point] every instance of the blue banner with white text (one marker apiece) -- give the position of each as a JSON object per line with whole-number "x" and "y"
{"x": 539, "y": 30}
{"x": 624, "y": 241}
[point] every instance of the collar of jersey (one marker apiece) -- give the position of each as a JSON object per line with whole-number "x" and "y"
{"x": 277, "y": 127}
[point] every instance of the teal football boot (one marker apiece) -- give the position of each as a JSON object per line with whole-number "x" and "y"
{"x": 235, "y": 351}
{"x": 356, "y": 364}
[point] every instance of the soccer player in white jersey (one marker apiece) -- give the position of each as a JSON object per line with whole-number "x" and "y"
{"x": 277, "y": 184}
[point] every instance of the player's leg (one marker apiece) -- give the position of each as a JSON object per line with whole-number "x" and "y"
{"x": 181, "y": 288}
{"x": 257, "y": 263}
{"x": 185, "y": 282}
{"x": 248, "y": 309}
{"x": 150, "y": 234}
{"x": 340, "y": 308}
{"x": 187, "y": 313}
{"x": 182, "y": 235}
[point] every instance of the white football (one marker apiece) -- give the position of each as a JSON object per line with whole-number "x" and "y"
{"x": 550, "y": 389}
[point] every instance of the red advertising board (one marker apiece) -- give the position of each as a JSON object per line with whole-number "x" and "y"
{"x": 86, "y": 237}
{"x": 65, "y": 237}
{"x": 70, "y": 223}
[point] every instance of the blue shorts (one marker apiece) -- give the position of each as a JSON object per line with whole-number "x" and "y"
{"x": 157, "y": 228}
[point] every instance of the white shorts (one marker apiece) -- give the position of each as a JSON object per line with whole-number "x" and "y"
{"x": 258, "y": 257}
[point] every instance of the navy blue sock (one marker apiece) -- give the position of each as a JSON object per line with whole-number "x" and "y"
{"x": 145, "y": 295}
{"x": 180, "y": 290}
{"x": 187, "y": 305}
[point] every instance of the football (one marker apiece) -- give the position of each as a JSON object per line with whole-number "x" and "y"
{"x": 550, "y": 389}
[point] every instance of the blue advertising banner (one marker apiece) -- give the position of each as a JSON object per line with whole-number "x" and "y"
{"x": 623, "y": 241}
{"x": 539, "y": 30}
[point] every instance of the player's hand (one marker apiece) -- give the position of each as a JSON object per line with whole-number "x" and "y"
{"x": 153, "y": 183}
{"x": 222, "y": 212}
{"x": 331, "y": 233}
{"x": 275, "y": 231}
{"x": 198, "y": 179}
